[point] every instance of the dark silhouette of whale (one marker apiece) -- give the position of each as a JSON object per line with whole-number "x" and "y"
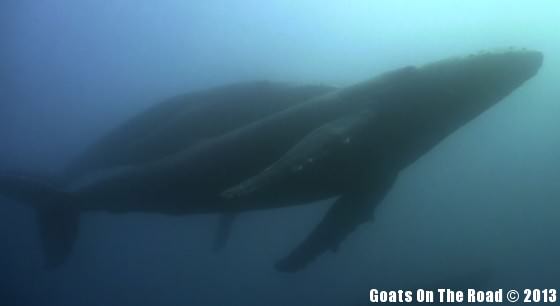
{"x": 179, "y": 123}
{"x": 174, "y": 125}
{"x": 349, "y": 144}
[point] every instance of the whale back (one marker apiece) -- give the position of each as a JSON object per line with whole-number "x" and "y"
{"x": 178, "y": 123}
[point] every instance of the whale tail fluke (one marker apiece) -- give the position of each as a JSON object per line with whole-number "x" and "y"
{"x": 57, "y": 216}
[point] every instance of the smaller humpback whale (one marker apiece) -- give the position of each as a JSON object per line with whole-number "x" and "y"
{"x": 180, "y": 122}
{"x": 168, "y": 127}
{"x": 348, "y": 145}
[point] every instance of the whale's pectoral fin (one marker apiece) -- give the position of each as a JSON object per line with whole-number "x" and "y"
{"x": 346, "y": 214}
{"x": 57, "y": 217}
{"x": 306, "y": 153}
{"x": 58, "y": 227}
{"x": 223, "y": 232}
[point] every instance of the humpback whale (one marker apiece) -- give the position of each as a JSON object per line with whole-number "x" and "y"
{"x": 176, "y": 124}
{"x": 180, "y": 122}
{"x": 348, "y": 144}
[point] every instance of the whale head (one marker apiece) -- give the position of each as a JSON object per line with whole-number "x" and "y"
{"x": 450, "y": 92}
{"x": 430, "y": 102}
{"x": 485, "y": 75}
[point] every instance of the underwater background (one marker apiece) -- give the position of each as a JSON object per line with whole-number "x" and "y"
{"x": 482, "y": 207}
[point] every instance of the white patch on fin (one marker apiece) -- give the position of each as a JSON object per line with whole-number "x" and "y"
{"x": 297, "y": 168}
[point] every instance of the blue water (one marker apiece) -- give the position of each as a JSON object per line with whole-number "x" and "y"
{"x": 485, "y": 199}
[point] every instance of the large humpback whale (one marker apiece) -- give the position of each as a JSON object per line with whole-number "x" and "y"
{"x": 349, "y": 144}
